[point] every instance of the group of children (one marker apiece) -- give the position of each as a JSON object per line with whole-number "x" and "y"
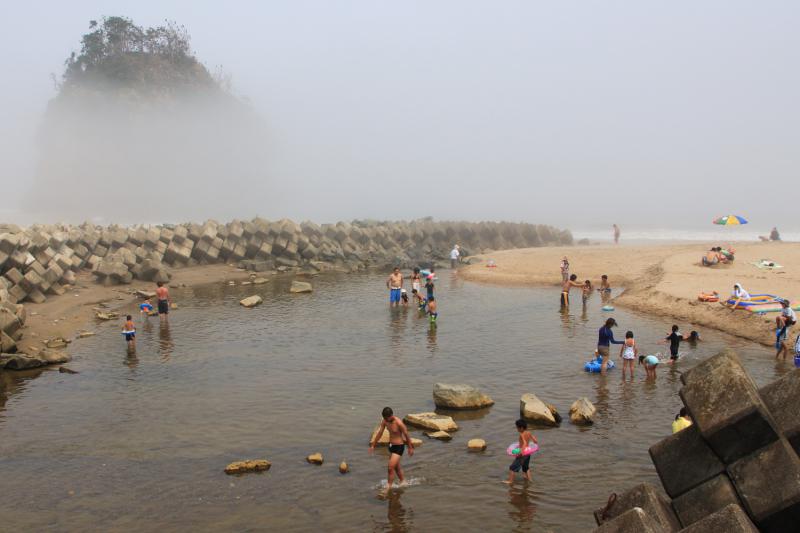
{"x": 629, "y": 352}
{"x": 146, "y": 309}
{"x": 426, "y": 304}
{"x": 568, "y": 281}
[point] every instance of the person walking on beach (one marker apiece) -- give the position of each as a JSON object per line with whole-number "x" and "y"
{"x": 783, "y": 322}
{"x": 454, "y": 256}
{"x": 164, "y": 301}
{"x": 604, "y": 340}
{"x": 398, "y": 440}
{"x": 616, "y": 234}
{"x": 564, "y": 269}
{"x": 522, "y": 460}
{"x": 565, "y": 288}
{"x": 394, "y": 283}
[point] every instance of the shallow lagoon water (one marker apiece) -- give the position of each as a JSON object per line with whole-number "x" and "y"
{"x": 140, "y": 442}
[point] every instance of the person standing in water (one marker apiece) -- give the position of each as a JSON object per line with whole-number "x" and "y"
{"x": 616, "y": 234}
{"x": 395, "y": 284}
{"x": 164, "y": 301}
{"x": 604, "y": 341}
{"x": 416, "y": 280}
{"x": 398, "y": 440}
{"x": 783, "y": 322}
{"x": 565, "y": 287}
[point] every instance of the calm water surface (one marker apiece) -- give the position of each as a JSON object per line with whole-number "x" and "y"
{"x": 138, "y": 443}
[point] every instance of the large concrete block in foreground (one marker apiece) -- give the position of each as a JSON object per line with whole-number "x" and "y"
{"x": 649, "y": 499}
{"x": 725, "y": 406}
{"x": 705, "y": 499}
{"x": 768, "y": 483}
{"x": 684, "y": 460}
{"x": 782, "y": 398}
{"x": 731, "y": 519}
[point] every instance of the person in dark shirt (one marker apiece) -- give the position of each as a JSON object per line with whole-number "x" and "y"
{"x": 429, "y": 286}
{"x": 604, "y": 340}
{"x": 674, "y": 339}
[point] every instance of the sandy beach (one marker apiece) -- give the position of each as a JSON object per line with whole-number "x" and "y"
{"x": 660, "y": 279}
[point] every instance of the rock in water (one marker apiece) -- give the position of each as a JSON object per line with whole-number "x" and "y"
{"x": 300, "y": 286}
{"x": 54, "y": 357}
{"x": 251, "y": 301}
{"x": 343, "y": 468}
{"x": 315, "y": 458}
{"x": 65, "y": 370}
{"x": 476, "y": 445}
{"x": 85, "y": 334}
{"x": 535, "y": 410}
{"x": 581, "y": 412}
{"x": 459, "y": 396}
{"x": 241, "y": 467}
{"x": 439, "y": 435}
{"x": 259, "y": 281}
{"x": 432, "y": 421}
{"x": 554, "y": 411}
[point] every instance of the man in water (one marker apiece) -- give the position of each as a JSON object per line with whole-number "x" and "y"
{"x": 395, "y": 285}
{"x": 566, "y": 286}
{"x": 454, "y": 255}
{"x": 164, "y": 301}
{"x": 398, "y": 440}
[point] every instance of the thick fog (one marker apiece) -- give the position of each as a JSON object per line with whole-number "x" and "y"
{"x": 578, "y": 114}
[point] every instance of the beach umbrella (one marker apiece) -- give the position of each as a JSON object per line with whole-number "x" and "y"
{"x": 730, "y": 220}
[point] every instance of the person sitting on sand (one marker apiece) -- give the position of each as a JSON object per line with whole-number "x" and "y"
{"x": 783, "y": 322}
{"x": 129, "y": 330}
{"x": 650, "y": 363}
{"x": 682, "y": 421}
{"x": 739, "y": 295}
{"x": 565, "y": 288}
{"x": 711, "y": 258}
{"x": 521, "y": 461}
{"x": 398, "y": 440}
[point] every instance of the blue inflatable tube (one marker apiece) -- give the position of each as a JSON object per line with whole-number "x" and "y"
{"x": 595, "y": 365}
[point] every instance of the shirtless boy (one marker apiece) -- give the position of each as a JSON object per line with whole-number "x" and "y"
{"x": 566, "y": 286}
{"x": 164, "y": 301}
{"x": 398, "y": 440}
{"x": 394, "y": 283}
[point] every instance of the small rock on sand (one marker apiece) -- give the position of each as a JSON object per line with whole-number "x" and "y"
{"x": 251, "y": 301}
{"x": 431, "y": 421}
{"x": 438, "y": 435}
{"x": 476, "y": 445}
{"x": 343, "y": 468}
{"x": 581, "y": 412}
{"x": 315, "y": 458}
{"x": 54, "y": 357}
{"x": 241, "y": 467}
{"x": 300, "y": 286}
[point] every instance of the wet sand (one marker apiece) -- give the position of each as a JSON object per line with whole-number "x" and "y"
{"x": 67, "y": 315}
{"x": 660, "y": 279}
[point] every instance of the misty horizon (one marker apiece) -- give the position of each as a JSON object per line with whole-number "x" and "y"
{"x": 645, "y": 115}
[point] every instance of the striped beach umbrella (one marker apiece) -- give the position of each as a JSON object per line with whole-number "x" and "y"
{"x": 730, "y": 220}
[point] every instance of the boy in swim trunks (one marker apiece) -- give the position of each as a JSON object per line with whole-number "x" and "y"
{"x": 565, "y": 287}
{"x": 419, "y": 300}
{"x": 164, "y": 301}
{"x": 129, "y": 330}
{"x": 521, "y": 461}
{"x": 395, "y": 285}
{"x": 398, "y": 440}
{"x": 432, "y": 313}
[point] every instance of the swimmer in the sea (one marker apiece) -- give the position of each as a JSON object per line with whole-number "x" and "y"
{"x": 398, "y": 440}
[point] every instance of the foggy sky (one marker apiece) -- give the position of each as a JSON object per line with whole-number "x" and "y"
{"x": 577, "y": 114}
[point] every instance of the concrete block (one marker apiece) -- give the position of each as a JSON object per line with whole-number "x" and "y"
{"x": 16, "y": 260}
{"x": 705, "y": 499}
{"x": 36, "y": 267}
{"x": 729, "y": 519}
{"x": 31, "y": 281}
{"x": 646, "y": 497}
{"x": 166, "y": 235}
{"x": 36, "y": 296}
{"x": 53, "y": 273}
{"x": 7, "y": 344}
{"x": 14, "y": 276}
{"x": 782, "y": 398}
{"x": 8, "y": 243}
{"x": 684, "y": 460}
{"x": 768, "y": 483}
{"x": 17, "y": 293}
{"x": 725, "y": 406}
{"x": 180, "y": 234}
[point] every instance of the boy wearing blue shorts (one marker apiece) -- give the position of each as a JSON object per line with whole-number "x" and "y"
{"x": 395, "y": 285}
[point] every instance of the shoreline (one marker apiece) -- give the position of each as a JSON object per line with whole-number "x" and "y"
{"x": 660, "y": 279}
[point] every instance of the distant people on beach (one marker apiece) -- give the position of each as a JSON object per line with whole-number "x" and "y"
{"x": 682, "y": 421}
{"x": 650, "y": 363}
{"x": 739, "y": 295}
{"x": 398, "y": 440}
{"x": 564, "y": 269}
{"x": 605, "y": 338}
{"x": 522, "y": 460}
{"x": 616, "y": 234}
{"x": 565, "y": 288}
{"x": 164, "y": 301}
{"x": 129, "y": 331}
{"x": 394, "y": 283}
{"x": 455, "y": 255}
{"x": 783, "y": 322}
{"x": 628, "y": 352}
{"x": 773, "y": 236}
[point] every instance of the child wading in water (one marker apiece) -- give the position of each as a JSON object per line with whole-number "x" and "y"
{"x": 650, "y": 363}
{"x": 628, "y": 352}
{"x": 674, "y": 339}
{"x": 129, "y": 330}
{"x": 587, "y": 290}
{"x": 521, "y": 461}
{"x": 398, "y": 440}
{"x": 432, "y": 313}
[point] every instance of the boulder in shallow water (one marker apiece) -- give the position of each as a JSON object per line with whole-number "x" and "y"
{"x": 459, "y": 396}
{"x": 54, "y": 357}
{"x": 533, "y": 409}
{"x": 19, "y": 362}
{"x": 438, "y": 435}
{"x": 315, "y": 458}
{"x": 432, "y": 421}
{"x": 241, "y": 467}
{"x": 300, "y": 286}
{"x": 251, "y": 301}
{"x": 476, "y": 445}
{"x": 581, "y": 412}
{"x": 343, "y": 468}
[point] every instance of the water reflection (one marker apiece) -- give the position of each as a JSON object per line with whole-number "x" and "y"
{"x": 432, "y": 347}
{"x": 523, "y": 508}
{"x": 567, "y": 321}
{"x": 165, "y": 344}
{"x": 399, "y": 519}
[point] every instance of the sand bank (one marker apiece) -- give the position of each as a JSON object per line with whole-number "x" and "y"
{"x": 661, "y": 279}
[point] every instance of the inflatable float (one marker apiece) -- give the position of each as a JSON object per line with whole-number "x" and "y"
{"x": 763, "y": 303}
{"x": 708, "y": 297}
{"x": 513, "y": 449}
{"x": 608, "y": 308}
{"x": 427, "y": 274}
{"x": 595, "y": 365}
{"x": 797, "y": 361}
